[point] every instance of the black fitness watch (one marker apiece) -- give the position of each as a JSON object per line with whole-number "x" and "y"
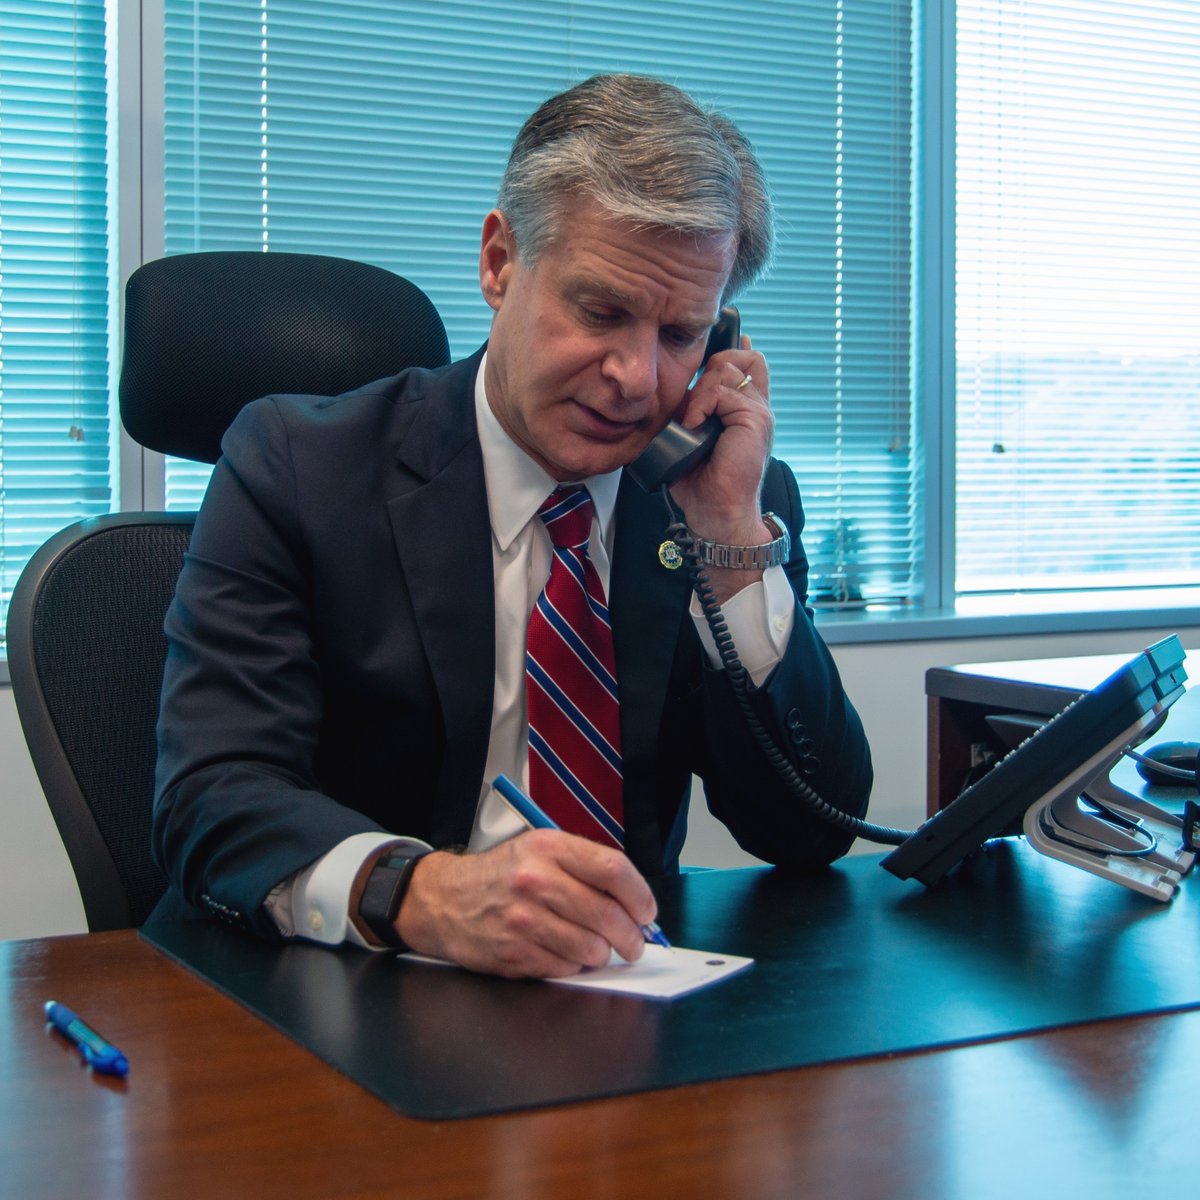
{"x": 384, "y": 893}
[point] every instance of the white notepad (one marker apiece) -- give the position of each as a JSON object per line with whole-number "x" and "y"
{"x": 660, "y": 973}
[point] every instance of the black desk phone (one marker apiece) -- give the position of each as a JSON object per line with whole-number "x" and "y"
{"x": 677, "y": 450}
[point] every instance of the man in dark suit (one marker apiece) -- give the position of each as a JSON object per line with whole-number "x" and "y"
{"x": 347, "y": 644}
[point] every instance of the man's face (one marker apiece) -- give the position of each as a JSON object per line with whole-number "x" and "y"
{"x": 592, "y": 349}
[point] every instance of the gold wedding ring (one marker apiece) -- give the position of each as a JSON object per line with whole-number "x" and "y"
{"x": 746, "y": 380}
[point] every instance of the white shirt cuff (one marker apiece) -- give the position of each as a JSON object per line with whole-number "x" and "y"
{"x": 315, "y": 903}
{"x": 760, "y": 620}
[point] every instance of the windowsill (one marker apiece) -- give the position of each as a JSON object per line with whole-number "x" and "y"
{"x": 1014, "y": 615}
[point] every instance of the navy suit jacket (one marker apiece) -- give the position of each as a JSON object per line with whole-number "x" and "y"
{"x": 331, "y": 656}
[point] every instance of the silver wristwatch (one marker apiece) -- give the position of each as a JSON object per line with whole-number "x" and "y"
{"x": 748, "y": 558}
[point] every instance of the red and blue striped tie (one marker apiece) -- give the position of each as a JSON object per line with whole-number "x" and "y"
{"x": 571, "y": 683}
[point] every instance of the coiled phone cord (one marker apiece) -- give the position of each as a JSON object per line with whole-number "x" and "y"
{"x": 679, "y": 533}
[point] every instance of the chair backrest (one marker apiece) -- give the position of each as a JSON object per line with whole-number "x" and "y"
{"x": 207, "y": 333}
{"x": 85, "y": 653}
{"x": 204, "y": 335}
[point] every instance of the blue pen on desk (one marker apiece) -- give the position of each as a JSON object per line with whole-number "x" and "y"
{"x": 100, "y": 1055}
{"x": 533, "y": 816}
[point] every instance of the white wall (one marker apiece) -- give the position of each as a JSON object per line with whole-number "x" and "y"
{"x": 38, "y": 896}
{"x": 885, "y": 680}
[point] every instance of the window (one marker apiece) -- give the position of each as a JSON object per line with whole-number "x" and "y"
{"x": 1066, "y": 453}
{"x": 380, "y": 133}
{"x": 56, "y": 279}
{"x": 1078, "y": 261}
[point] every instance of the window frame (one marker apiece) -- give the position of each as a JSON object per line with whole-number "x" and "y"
{"x": 139, "y": 203}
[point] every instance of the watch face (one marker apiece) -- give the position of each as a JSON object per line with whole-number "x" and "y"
{"x": 398, "y": 856}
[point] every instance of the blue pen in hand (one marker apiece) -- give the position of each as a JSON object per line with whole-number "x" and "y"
{"x": 533, "y": 816}
{"x": 96, "y": 1052}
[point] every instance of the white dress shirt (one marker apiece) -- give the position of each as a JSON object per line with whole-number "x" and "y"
{"x": 314, "y": 903}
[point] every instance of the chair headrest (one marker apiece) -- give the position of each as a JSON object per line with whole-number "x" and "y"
{"x": 207, "y": 333}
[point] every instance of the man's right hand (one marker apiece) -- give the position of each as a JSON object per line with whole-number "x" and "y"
{"x": 545, "y": 903}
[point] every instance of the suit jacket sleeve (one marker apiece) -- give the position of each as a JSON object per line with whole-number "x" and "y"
{"x": 238, "y": 804}
{"x": 807, "y": 714}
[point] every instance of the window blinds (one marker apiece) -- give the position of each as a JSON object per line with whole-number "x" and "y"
{"x": 379, "y": 132}
{"x": 55, "y": 281}
{"x": 1078, "y": 307}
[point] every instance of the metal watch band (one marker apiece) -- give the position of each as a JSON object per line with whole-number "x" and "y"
{"x": 749, "y": 558}
{"x": 384, "y": 893}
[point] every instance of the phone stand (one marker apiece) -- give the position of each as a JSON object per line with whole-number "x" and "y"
{"x": 1090, "y": 822}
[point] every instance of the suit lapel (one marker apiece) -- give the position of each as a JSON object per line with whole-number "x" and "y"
{"x": 648, "y": 603}
{"x": 440, "y": 524}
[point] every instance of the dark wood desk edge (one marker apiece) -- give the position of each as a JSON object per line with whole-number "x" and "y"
{"x": 1014, "y": 695}
{"x": 955, "y": 696}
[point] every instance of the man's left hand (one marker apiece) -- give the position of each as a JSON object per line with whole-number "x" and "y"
{"x": 721, "y": 498}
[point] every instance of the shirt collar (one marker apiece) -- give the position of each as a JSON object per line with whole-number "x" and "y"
{"x": 516, "y": 485}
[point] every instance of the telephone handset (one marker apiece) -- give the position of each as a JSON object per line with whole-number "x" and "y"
{"x": 670, "y": 456}
{"x": 677, "y": 450}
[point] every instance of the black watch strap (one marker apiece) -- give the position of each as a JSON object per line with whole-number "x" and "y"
{"x": 384, "y": 893}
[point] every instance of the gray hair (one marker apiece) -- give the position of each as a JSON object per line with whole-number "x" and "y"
{"x": 646, "y": 152}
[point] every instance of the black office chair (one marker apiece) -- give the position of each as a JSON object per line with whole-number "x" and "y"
{"x": 204, "y": 334}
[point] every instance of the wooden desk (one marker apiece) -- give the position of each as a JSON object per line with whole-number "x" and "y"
{"x": 960, "y": 698}
{"x": 219, "y": 1104}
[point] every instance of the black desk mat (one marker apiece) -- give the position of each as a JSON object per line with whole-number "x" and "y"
{"x": 850, "y": 963}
